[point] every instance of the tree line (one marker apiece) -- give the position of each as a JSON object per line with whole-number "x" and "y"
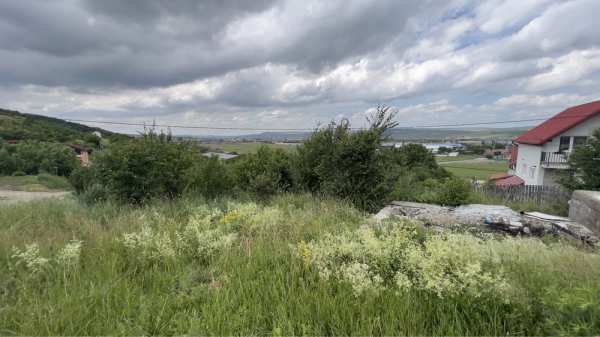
{"x": 334, "y": 161}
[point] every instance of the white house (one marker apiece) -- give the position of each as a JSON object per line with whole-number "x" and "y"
{"x": 540, "y": 153}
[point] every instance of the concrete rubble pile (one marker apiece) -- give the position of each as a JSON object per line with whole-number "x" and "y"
{"x": 491, "y": 218}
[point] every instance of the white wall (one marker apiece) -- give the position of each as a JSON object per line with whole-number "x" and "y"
{"x": 528, "y": 164}
{"x": 528, "y": 160}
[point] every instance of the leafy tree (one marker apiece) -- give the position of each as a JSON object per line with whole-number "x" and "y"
{"x": 7, "y": 162}
{"x": 336, "y": 161}
{"x": 141, "y": 169}
{"x": 33, "y": 157}
{"x": 584, "y": 163}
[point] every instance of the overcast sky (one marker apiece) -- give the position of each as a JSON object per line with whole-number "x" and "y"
{"x": 295, "y": 63}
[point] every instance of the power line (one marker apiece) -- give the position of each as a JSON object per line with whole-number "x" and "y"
{"x": 206, "y": 127}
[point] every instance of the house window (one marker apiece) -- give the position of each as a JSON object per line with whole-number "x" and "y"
{"x": 579, "y": 141}
{"x": 532, "y": 172}
{"x": 565, "y": 143}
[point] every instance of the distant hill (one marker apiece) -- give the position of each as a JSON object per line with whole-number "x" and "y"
{"x": 414, "y": 134}
{"x": 458, "y": 134}
{"x": 21, "y": 126}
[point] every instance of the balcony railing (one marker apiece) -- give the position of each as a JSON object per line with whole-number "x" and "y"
{"x": 555, "y": 159}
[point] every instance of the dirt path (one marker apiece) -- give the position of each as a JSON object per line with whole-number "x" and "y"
{"x": 7, "y": 196}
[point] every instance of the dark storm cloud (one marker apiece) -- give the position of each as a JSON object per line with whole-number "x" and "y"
{"x": 140, "y": 43}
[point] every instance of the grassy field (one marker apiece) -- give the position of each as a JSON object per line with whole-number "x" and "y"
{"x": 39, "y": 183}
{"x": 295, "y": 266}
{"x": 457, "y": 158}
{"x": 476, "y": 170}
{"x": 243, "y": 148}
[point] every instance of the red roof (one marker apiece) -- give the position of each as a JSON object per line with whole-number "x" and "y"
{"x": 559, "y": 123}
{"x": 498, "y": 176}
{"x": 509, "y": 181}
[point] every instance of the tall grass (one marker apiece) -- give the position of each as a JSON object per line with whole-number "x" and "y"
{"x": 556, "y": 208}
{"x": 258, "y": 285}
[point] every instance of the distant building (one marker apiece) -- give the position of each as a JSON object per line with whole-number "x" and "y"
{"x": 539, "y": 154}
{"x": 498, "y": 154}
{"x": 435, "y": 147}
{"x": 83, "y": 154}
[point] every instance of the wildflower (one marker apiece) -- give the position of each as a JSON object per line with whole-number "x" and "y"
{"x": 68, "y": 256}
{"x": 360, "y": 278}
{"x": 30, "y": 257}
{"x": 305, "y": 253}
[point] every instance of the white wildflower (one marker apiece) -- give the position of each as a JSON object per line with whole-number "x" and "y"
{"x": 69, "y": 255}
{"x": 361, "y": 279}
{"x": 30, "y": 257}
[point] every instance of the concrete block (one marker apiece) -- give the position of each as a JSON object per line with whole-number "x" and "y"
{"x": 584, "y": 208}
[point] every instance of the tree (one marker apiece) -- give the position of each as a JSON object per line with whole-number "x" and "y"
{"x": 584, "y": 163}
{"x": 339, "y": 162}
{"x": 141, "y": 169}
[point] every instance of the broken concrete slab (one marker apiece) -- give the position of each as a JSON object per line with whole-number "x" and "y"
{"x": 493, "y": 218}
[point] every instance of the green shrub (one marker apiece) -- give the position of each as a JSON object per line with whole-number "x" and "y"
{"x": 453, "y": 192}
{"x": 33, "y": 157}
{"x": 81, "y": 178}
{"x": 7, "y": 162}
{"x": 264, "y": 173}
{"x": 209, "y": 177}
{"x": 338, "y": 162}
{"x": 19, "y": 174}
{"x": 140, "y": 169}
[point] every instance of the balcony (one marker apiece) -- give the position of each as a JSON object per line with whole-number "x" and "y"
{"x": 555, "y": 160}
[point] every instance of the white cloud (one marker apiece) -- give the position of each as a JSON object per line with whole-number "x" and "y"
{"x": 565, "y": 70}
{"x": 292, "y": 64}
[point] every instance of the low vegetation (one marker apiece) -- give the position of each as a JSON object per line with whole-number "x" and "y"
{"x": 297, "y": 265}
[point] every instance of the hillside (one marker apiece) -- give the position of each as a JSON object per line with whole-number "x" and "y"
{"x": 21, "y": 126}
{"x": 423, "y": 134}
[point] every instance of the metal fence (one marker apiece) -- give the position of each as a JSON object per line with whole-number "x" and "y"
{"x": 537, "y": 194}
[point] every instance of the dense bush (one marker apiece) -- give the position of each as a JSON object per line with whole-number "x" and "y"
{"x": 415, "y": 176}
{"x": 264, "y": 173}
{"x": 8, "y": 164}
{"x": 338, "y": 162}
{"x": 209, "y": 177}
{"x": 33, "y": 157}
{"x": 137, "y": 170}
{"x": 453, "y": 192}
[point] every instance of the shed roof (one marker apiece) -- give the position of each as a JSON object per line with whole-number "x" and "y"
{"x": 509, "y": 181}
